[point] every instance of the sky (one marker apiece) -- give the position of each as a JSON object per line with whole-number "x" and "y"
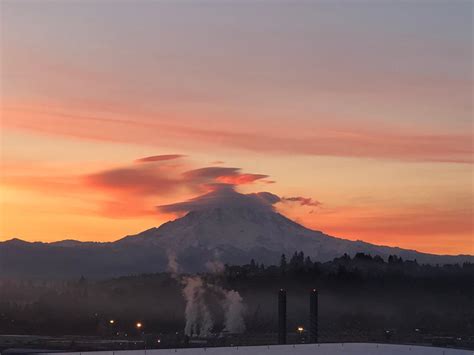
{"x": 355, "y": 115}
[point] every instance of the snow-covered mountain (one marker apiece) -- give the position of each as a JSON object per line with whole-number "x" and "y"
{"x": 259, "y": 233}
{"x": 232, "y": 235}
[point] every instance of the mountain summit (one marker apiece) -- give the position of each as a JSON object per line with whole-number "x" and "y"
{"x": 213, "y": 232}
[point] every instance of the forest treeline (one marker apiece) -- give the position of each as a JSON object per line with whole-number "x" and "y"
{"x": 360, "y": 296}
{"x": 360, "y": 267}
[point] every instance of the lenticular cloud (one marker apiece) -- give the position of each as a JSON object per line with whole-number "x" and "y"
{"x": 223, "y": 196}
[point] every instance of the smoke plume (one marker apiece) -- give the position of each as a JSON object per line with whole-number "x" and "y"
{"x": 199, "y": 320}
{"x": 173, "y": 266}
{"x": 234, "y": 309}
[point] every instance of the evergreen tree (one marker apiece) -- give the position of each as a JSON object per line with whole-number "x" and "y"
{"x": 253, "y": 266}
{"x": 283, "y": 263}
{"x": 294, "y": 261}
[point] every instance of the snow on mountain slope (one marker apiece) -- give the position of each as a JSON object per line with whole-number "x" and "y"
{"x": 242, "y": 228}
{"x": 260, "y": 233}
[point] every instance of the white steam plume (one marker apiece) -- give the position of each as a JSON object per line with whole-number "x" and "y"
{"x": 199, "y": 321}
{"x": 198, "y": 318}
{"x": 232, "y": 303}
{"x": 234, "y": 310}
{"x": 215, "y": 266}
{"x": 173, "y": 266}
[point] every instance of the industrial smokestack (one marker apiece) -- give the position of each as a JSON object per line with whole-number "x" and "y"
{"x": 313, "y": 316}
{"x": 282, "y": 316}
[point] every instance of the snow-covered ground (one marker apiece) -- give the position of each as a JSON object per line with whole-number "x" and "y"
{"x": 303, "y": 349}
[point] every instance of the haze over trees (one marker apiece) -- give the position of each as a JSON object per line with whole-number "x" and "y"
{"x": 360, "y": 298}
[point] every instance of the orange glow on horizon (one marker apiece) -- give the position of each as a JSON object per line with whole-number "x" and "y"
{"x": 70, "y": 207}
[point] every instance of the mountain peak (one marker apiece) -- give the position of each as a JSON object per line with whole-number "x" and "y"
{"x": 16, "y": 241}
{"x": 247, "y": 226}
{"x": 67, "y": 243}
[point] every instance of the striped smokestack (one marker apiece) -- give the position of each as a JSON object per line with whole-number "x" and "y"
{"x": 313, "y": 316}
{"x": 282, "y": 316}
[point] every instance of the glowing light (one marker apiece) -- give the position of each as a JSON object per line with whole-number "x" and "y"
{"x": 300, "y": 330}
{"x": 139, "y": 325}
{"x": 111, "y": 321}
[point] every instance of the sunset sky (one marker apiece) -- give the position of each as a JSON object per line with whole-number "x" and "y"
{"x": 357, "y": 114}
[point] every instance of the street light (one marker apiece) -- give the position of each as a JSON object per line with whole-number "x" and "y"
{"x": 111, "y": 321}
{"x": 138, "y": 325}
{"x": 300, "y": 329}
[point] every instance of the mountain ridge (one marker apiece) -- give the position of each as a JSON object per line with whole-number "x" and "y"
{"x": 231, "y": 235}
{"x": 73, "y": 242}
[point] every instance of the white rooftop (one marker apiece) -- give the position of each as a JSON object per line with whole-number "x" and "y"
{"x": 300, "y": 349}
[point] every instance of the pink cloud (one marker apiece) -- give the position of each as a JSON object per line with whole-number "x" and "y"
{"x": 357, "y": 142}
{"x": 142, "y": 180}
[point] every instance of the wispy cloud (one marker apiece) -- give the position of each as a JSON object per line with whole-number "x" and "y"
{"x": 159, "y": 158}
{"x": 303, "y": 201}
{"x": 352, "y": 142}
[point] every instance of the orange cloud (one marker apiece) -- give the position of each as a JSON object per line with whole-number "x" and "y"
{"x": 241, "y": 179}
{"x": 134, "y": 189}
{"x": 224, "y": 175}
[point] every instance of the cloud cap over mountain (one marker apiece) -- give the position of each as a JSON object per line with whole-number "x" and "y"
{"x": 223, "y": 196}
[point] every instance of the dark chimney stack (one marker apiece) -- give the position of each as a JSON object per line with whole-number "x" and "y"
{"x": 282, "y": 316}
{"x": 313, "y": 316}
